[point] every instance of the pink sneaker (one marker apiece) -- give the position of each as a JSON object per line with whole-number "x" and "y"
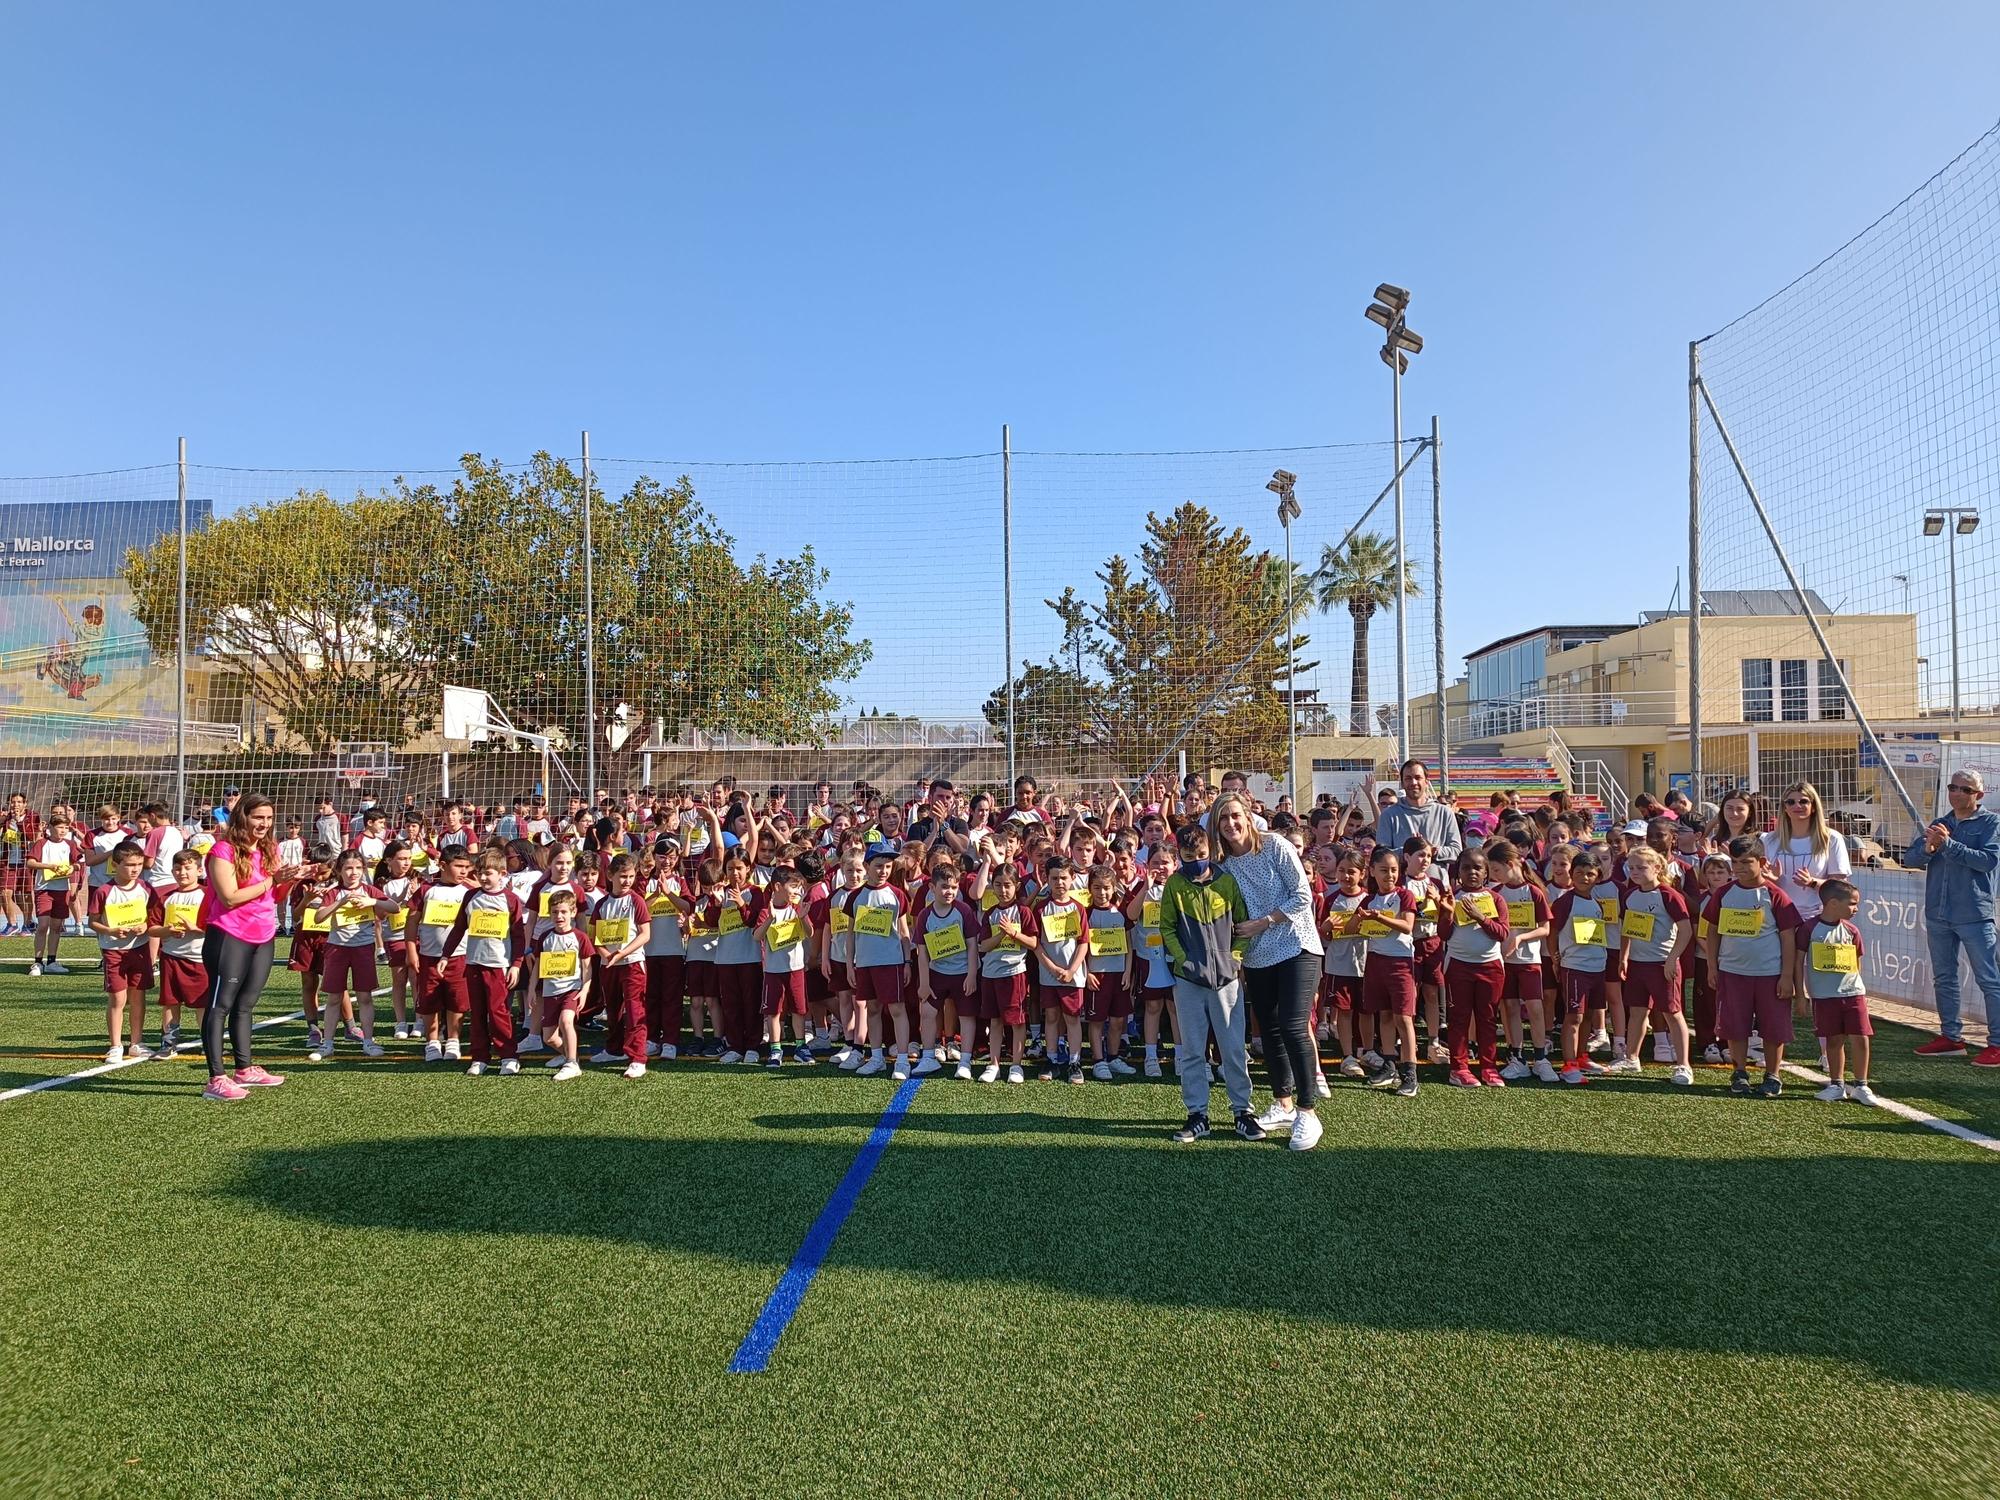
{"x": 254, "y": 1077}
{"x": 223, "y": 1089}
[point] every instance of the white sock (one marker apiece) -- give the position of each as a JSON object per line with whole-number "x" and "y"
{"x": 876, "y": 1054}
{"x": 1152, "y": 1051}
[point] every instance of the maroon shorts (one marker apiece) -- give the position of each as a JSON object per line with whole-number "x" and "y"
{"x": 698, "y": 979}
{"x": 1340, "y": 992}
{"x": 14, "y": 878}
{"x": 1005, "y": 999}
{"x": 1744, "y": 1000}
{"x": 951, "y": 987}
{"x": 1069, "y": 1002}
{"x": 879, "y": 984}
{"x": 1582, "y": 990}
{"x": 1389, "y": 986}
{"x": 1430, "y": 961}
{"x": 347, "y": 970}
{"x": 817, "y": 989}
{"x": 306, "y": 950}
{"x": 553, "y": 1007}
{"x": 1652, "y": 986}
{"x": 785, "y": 993}
{"x": 128, "y": 969}
{"x": 396, "y": 951}
{"x": 1111, "y": 1000}
{"x": 1524, "y": 982}
{"x": 1154, "y": 996}
{"x": 441, "y": 986}
{"x": 1846, "y": 1015}
{"x": 183, "y": 981}
{"x": 52, "y": 903}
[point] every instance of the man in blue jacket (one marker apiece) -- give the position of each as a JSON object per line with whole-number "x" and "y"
{"x": 1958, "y": 854}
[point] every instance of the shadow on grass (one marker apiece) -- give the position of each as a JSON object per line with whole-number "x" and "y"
{"x": 1883, "y": 1264}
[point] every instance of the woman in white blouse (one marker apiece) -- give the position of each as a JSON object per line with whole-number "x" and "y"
{"x": 1803, "y": 852}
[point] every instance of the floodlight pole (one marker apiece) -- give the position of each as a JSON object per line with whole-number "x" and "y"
{"x": 1694, "y": 572}
{"x": 1402, "y": 571}
{"x": 1437, "y": 603}
{"x": 589, "y": 640}
{"x": 1007, "y": 580}
{"x": 1291, "y": 663}
{"x": 1951, "y": 555}
{"x": 181, "y": 646}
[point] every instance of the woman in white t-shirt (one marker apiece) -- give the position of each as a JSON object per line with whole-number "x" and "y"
{"x": 1803, "y": 852}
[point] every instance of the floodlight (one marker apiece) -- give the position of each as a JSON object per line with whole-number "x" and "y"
{"x": 1968, "y": 522}
{"x": 1933, "y": 523}
{"x": 1394, "y": 296}
{"x": 1376, "y": 313}
{"x": 1404, "y": 339}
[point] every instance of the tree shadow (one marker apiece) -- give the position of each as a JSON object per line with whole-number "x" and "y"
{"x": 1792, "y": 1257}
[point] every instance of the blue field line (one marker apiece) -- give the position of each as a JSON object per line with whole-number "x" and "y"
{"x": 754, "y": 1353}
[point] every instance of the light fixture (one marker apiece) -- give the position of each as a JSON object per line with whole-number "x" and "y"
{"x": 1933, "y": 523}
{"x": 1968, "y": 522}
{"x": 1376, "y": 313}
{"x": 1396, "y": 297}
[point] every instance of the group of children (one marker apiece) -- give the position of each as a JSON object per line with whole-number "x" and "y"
{"x": 1038, "y": 942}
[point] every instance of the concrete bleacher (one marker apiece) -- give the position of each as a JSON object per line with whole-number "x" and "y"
{"x": 1533, "y": 779}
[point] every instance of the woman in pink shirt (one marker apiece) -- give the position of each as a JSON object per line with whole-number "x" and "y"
{"x": 241, "y": 918}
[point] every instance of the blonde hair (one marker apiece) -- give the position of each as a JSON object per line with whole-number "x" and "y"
{"x": 1815, "y": 825}
{"x": 1238, "y": 801}
{"x": 1646, "y": 855}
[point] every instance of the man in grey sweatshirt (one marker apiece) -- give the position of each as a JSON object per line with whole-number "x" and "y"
{"x": 1418, "y": 812}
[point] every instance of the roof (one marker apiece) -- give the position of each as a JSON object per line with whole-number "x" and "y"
{"x": 1596, "y": 631}
{"x": 1745, "y": 602}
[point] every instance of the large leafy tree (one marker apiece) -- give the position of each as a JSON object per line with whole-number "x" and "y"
{"x": 1361, "y": 578}
{"x": 1202, "y": 613}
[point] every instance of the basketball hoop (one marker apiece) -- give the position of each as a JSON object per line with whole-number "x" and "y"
{"x": 353, "y": 776}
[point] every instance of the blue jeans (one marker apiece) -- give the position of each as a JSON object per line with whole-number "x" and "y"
{"x": 1978, "y": 942}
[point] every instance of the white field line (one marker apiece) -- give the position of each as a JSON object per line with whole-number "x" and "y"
{"x": 1908, "y": 1112}
{"x": 131, "y": 1062}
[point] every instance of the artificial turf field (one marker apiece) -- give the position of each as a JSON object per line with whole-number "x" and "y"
{"x": 389, "y": 1279}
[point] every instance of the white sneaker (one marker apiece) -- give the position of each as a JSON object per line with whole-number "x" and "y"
{"x": 1015, "y": 1075}
{"x": 1663, "y": 1048}
{"x": 34, "y": 971}
{"x": 1306, "y": 1131}
{"x": 1860, "y": 1093}
{"x": 509, "y": 1066}
{"x": 963, "y": 1072}
{"x": 852, "y": 1060}
{"x": 1371, "y": 1059}
{"x": 652, "y": 1049}
{"x": 1277, "y": 1117}
{"x": 1515, "y": 1070}
{"x": 1622, "y": 1065}
{"x": 477, "y": 1070}
{"x": 114, "y": 1053}
{"x": 1319, "y": 1085}
{"x": 432, "y": 1052}
{"x": 1152, "y": 1068}
{"x": 1350, "y": 1067}
{"x": 567, "y": 1070}
{"x": 55, "y": 968}
{"x": 1713, "y": 1053}
{"x": 605, "y": 1055}
{"x": 870, "y": 1068}
{"x": 322, "y": 1053}
{"x": 1122, "y": 1068}
{"x": 951, "y": 1055}
{"x": 730, "y": 1057}
{"x": 370, "y": 1047}
{"x": 990, "y": 1073}
{"x": 1599, "y": 1040}
{"x": 402, "y": 1032}
{"x": 901, "y": 1070}
{"x": 844, "y": 1055}
{"x": 1544, "y": 1071}
{"x": 926, "y": 1066}
{"x": 1440, "y": 1054}
{"x": 1102, "y": 1072}
{"x": 751, "y": 1058}
{"x": 1833, "y": 1093}
{"x": 1682, "y": 1076}
{"x": 452, "y": 1050}
{"x": 668, "y": 1052}
{"x": 532, "y": 1044}
{"x": 1571, "y": 1075}
{"x": 558, "y": 1061}
{"x": 635, "y": 1070}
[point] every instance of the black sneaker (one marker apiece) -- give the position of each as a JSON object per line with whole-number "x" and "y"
{"x": 1196, "y": 1129}
{"x": 1248, "y": 1128}
{"x": 1739, "y": 1084}
{"x": 776, "y": 1059}
{"x": 1384, "y": 1077}
{"x": 1770, "y": 1088}
{"x": 1407, "y": 1089}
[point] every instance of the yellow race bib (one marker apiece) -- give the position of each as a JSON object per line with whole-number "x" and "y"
{"x": 1836, "y": 958}
{"x": 180, "y": 918}
{"x": 56, "y": 871}
{"x": 611, "y": 933}
{"x": 659, "y": 903}
{"x": 1741, "y": 921}
{"x": 487, "y": 923}
{"x": 125, "y": 911}
{"x": 1372, "y": 927}
{"x": 731, "y": 919}
{"x": 315, "y": 920}
{"x": 399, "y": 921}
{"x": 1149, "y": 914}
{"x": 1479, "y": 906}
{"x": 1586, "y": 932}
{"x": 1108, "y": 942}
{"x": 1610, "y": 907}
{"x": 944, "y": 942}
{"x": 556, "y": 964}
{"x": 1638, "y": 926}
{"x": 875, "y": 921}
{"x": 441, "y": 909}
{"x": 987, "y": 900}
{"x": 838, "y": 920}
{"x": 354, "y": 916}
{"x": 1520, "y": 915}
{"x": 786, "y": 934}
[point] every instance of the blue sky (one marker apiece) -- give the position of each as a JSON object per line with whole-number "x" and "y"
{"x": 374, "y": 236}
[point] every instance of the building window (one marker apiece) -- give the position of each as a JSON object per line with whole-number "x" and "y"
{"x": 1832, "y": 701}
{"x": 1757, "y": 690}
{"x": 1794, "y": 701}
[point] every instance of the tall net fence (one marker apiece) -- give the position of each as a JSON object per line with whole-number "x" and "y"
{"x": 1862, "y": 403}
{"x": 407, "y": 634}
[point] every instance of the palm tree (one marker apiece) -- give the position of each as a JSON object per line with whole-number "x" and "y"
{"x": 1363, "y": 579}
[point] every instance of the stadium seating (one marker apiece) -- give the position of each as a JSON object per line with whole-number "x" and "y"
{"x": 1474, "y": 780}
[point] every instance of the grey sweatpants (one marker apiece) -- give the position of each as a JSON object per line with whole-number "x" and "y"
{"x": 1200, "y": 1011}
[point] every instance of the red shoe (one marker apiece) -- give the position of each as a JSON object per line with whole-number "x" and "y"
{"x": 1489, "y": 1078}
{"x": 1943, "y": 1046}
{"x": 1989, "y": 1058}
{"x": 1462, "y": 1078}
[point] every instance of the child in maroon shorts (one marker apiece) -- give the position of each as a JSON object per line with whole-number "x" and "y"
{"x": 785, "y": 947}
{"x": 491, "y": 927}
{"x": 1108, "y": 976}
{"x": 125, "y": 915}
{"x": 619, "y": 929}
{"x": 439, "y": 964}
{"x": 562, "y": 981}
{"x": 1829, "y": 974}
{"x": 1062, "y": 953}
{"x": 309, "y": 930}
{"x": 1658, "y": 931}
{"x": 177, "y": 949}
{"x": 1008, "y": 933}
{"x": 1752, "y": 930}
{"x": 351, "y": 908}
{"x": 1581, "y": 921}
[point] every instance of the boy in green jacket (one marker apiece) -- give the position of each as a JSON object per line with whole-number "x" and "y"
{"x": 1199, "y": 910}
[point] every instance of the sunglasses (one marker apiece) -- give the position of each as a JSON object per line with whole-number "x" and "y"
{"x": 1798, "y": 802}
{"x": 1959, "y": 786}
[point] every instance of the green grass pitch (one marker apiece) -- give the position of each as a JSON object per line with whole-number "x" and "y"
{"x": 387, "y": 1279}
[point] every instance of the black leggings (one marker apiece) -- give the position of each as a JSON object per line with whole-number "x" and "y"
{"x": 1281, "y": 997}
{"x": 236, "y": 974}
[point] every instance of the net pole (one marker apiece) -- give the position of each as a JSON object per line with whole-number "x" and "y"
{"x": 1951, "y": 564}
{"x": 1437, "y": 601}
{"x": 181, "y": 639}
{"x": 1805, "y": 608}
{"x": 1402, "y": 573}
{"x": 589, "y": 641}
{"x": 1694, "y": 571}
{"x": 1007, "y": 580}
